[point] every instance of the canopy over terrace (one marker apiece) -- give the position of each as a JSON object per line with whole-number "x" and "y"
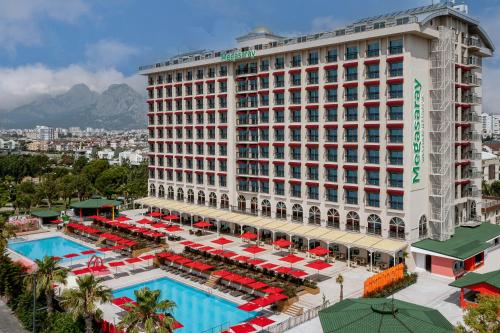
{"x": 45, "y": 215}
{"x": 329, "y": 236}
{"x": 94, "y": 206}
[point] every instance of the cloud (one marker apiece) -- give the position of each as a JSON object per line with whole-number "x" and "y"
{"x": 108, "y": 53}
{"x": 327, "y": 23}
{"x": 23, "y": 84}
{"x": 20, "y": 19}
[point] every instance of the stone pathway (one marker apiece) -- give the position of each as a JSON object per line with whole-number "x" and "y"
{"x": 8, "y": 321}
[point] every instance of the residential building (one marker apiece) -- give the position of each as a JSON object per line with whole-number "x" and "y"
{"x": 490, "y": 167}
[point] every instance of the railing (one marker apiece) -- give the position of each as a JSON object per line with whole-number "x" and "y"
{"x": 296, "y": 321}
{"x": 217, "y": 329}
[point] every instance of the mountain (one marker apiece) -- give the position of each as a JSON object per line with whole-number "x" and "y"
{"x": 119, "y": 107}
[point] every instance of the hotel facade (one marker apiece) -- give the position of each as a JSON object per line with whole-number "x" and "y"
{"x": 370, "y": 130}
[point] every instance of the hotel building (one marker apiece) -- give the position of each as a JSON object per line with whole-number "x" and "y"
{"x": 372, "y": 129}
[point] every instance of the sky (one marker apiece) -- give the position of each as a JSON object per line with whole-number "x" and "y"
{"x": 46, "y": 46}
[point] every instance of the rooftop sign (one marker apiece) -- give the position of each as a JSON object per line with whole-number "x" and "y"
{"x": 233, "y": 56}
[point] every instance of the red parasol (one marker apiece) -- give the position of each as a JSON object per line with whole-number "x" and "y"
{"x": 221, "y": 273}
{"x": 173, "y": 228}
{"x": 71, "y": 255}
{"x": 298, "y": 273}
{"x": 273, "y": 290}
{"x": 269, "y": 266}
{"x": 318, "y": 265}
{"x": 261, "y": 321}
{"x": 249, "y": 307}
{"x": 222, "y": 241}
{"x": 241, "y": 258}
{"x": 258, "y": 285}
{"x": 248, "y": 235}
{"x": 170, "y": 217}
{"x": 243, "y": 328}
{"x": 229, "y": 254}
{"x": 144, "y": 221}
{"x": 277, "y": 297}
{"x": 291, "y": 258}
{"x": 155, "y": 214}
{"x": 88, "y": 252}
{"x": 58, "y": 221}
{"x": 254, "y": 249}
{"x": 202, "y": 224}
{"x": 206, "y": 248}
{"x": 319, "y": 251}
{"x": 186, "y": 242}
{"x": 283, "y": 270}
{"x": 255, "y": 261}
{"x": 282, "y": 243}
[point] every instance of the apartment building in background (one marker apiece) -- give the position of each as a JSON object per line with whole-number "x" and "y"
{"x": 374, "y": 128}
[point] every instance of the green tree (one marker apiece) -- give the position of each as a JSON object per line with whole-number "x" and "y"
{"x": 62, "y": 322}
{"x": 81, "y": 301}
{"x": 149, "y": 315}
{"x": 495, "y": 188}
{"x": 46, "y": 190}
{"x": 482, "y": 318}
{"x": 83, "y": 186}
{"x": 486, "y": 189}
{"x": 111, "y": 181}
{"x": 66, "y": 188}
{"x": 10, "y": 278}
{"x": 7, "y": 231}
{"x": 47, "y": 274}
{"x": 24, "y": 310}
{"x": 79, "y": 164}
{"x": 340, "y": 281}
{"x": 94, "y": 168}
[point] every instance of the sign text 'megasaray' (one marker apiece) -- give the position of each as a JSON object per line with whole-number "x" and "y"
{"x": 238, "y": 55}
{"x": 417, "y": 131}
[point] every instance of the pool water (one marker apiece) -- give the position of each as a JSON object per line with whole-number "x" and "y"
{"x": 51, "y": 246}
{"x": 195, "y": 309}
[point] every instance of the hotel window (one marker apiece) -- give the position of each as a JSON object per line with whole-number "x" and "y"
{"x": 222, "y": 165}
{"x": 396, "y": 46}
{"x": 178, "y": 77}
{"x": 295, "y": 116}
{"x": 295, "y": 190}
{"x": 169, "y": 78}
{"x": 189, "y": 148}
{"x": 222, "y": 117}
{"x": 351, "y": 134}
{"x": 313, "y": 115}
{"x": 264, "y": 187}
{"x": 372, "y": 177}
{"x": 331, "y": 55}
{"x": 397, "y": 228}
{"x": 189, "y": 90}
{"x": 295, "y": 134}
{"x": 312, "y": 135}
{"x": 279, "y": 134}
{"x": 264, "y": 152}
{"x": 264, "y": 169}
{"x": 211, "y": 88}
{"x": 395, "y": 69}
{"x": 373, "y": 199}
{"x": 295, "y": 153}
{"x": 351, "y": 113}
{"x": 331, "y": 135}
{"x": 264, "y": 117}
{"x": 312, "y": 173}
{"x": 279, "y": 63}
{"x": 372, "y": 71}
{"x": 351, "y": 197}
{"x": 264, "y": 65}
{"x": 351, "y": 155}
{"x": 222, "y": 181}
{"x": 351, "y": 93}
{"x": 351, "y": 176}
{"x": 279, "y": 189}
{"x": 351, "y": 73}
{"x": 351, "y": 53}
{"x": 373, "y": 49}
{"x": 211, "y": 180}
{"x": 199, "y": 74}
{"x": 264, "y": 134}
{"x": 331, "y": 75}
{"x": 279, "y": 153}
{"x": 331, "y": 95}
{"x": 372, "y": 92}
{"x": 222, "y": 150}
{"x": 379, "y": 25}
{"x": 374, "y": 223}
{"x": 211, "y": 150}
{"x": 264, "y": 99}
{"x": 279, "y": 170}
{"x": 223, "y": 70}
{"x": 211, "y": 118}
{"x": 396, "y": 112}
{"x": 396, "y": 157}
{"x": 279, "y": 98}
{"x": 331, "y": 114}
{"x": 189, "y": 178}
{"x": 395, "y": 135}
{"x": 313, "y": 154}
{"x": 199, "y": 178}
{"x": 313, "y": 192}
{"x": 296, "y": 60}
{"x": 332, "y": 195}
{"x": 223, "y": 86}
{"x": 372, "y": 135}
{"x": 396, "y": 90}
{"x": 396, "y": 202}
{"x": 295, "y": 172}
{"x": 295, "y": 79}
{"x": 264, "y": 82}
{"x": 295, "y": 97}
{"x": 395, "y": 179}
{"x": 372, "y": 113}
{"x": 312, "y": 96}
{"x": 279, "y": 81}
{"x": 331, "y": 175}
{"x": 313, "y": 58}
{"x": 312, "y": 77}
{"x": 331, "y": 154}
{"x": 223, "y": 133}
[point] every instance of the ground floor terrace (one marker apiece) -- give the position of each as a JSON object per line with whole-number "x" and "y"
{"x": 354, "y": 248}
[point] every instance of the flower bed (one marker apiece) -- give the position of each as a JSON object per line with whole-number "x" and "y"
{"x": 24, "y": 224}
{"x": 390, "y": 289}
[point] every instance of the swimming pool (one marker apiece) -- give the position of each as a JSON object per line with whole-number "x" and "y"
{"x": 196, "y": 310}
{"x": 51, "y": 246}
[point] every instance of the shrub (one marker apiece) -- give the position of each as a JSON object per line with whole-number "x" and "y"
{"x": 61, "y": 322}
{"x": 24, "y": 311}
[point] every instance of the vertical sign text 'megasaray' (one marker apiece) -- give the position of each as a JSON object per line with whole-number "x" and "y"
{"x": 417, "y": 132}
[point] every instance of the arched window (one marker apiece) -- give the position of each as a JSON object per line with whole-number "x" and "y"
{"x": 152, "y": 190}
{"x": 266, "y": 208}
{"x": 397, "y": 228}
{"x": 212, "y": 199}
{"x": 422, "y": 226}
{"x": 180, "y": 194}
{"x": 242, "y": 203}
{"x": 254, "y": 206}
{"x": 333, "y": 219}
{"x": 224, "y": 201}
{"x": 352, "y": 221}
{"x": 314, "y": 215}
{"x": 281, "y": 210}
{"x": 161, "y": 191}
{"x": 201, "y": 198}
{"x": 297, "y": 213}
{"x": 190, "y": 196}
{"x": 171, "y": 192}
{"x": 374, "y": 225}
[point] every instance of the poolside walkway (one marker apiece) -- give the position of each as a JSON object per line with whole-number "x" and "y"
{"x": 8, "y": 321}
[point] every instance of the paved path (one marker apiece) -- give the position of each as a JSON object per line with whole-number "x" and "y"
{"x": 8, "y": 322}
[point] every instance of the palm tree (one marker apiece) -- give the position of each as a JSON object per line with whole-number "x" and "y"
{"x": 7, "y": 231}
{"x": 340, "y": 280}
{"x": 148, "y": 315}
{"x": 48, "y": 274}
{"x": 81, "y": 301}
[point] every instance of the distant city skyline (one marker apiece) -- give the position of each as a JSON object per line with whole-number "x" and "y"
{"x": 47, "y": 46}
